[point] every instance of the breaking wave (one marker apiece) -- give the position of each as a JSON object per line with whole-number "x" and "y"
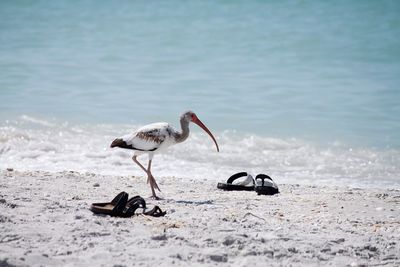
{"x": 32, "y": 144}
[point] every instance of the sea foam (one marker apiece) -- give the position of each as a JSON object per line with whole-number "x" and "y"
{"x": 49, "y": 146}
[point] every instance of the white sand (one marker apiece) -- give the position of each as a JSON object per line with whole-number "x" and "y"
{"x": 45, "y": 221}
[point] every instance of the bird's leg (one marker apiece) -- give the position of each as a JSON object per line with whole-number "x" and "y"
{"x": 134, "y": 158}
{"x": 151, "y": 179}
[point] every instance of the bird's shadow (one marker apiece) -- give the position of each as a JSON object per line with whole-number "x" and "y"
{"x": 193, "y": 202}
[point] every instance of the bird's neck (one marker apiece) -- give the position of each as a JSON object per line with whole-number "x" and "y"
{"x": 184, "y": 134}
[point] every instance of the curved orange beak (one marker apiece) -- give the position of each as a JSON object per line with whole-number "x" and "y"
{"x": 198, "y": 122}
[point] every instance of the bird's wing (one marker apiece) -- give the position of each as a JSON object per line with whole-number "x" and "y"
{"x": 147, "y": 138}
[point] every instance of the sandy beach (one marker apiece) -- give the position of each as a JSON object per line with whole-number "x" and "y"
{"x": 46, "y": 221}
{"x": 306, "y": 92}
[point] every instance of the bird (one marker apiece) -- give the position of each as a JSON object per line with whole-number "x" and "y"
{"x": 156, "y": 137}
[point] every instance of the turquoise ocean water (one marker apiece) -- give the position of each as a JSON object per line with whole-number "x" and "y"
{"x": 307, "y": 91}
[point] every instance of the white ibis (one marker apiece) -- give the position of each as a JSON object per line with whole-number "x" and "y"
{"x": 156, "y": 137}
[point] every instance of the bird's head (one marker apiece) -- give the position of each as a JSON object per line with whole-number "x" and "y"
{"x": 190, "y": 116}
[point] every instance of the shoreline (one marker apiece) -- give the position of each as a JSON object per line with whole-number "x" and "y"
{"x": 46, "y": 221}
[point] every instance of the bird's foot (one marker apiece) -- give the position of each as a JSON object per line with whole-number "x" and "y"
{"x": 153, "y": 183}
{"x": 156, "y": 187}
{"x": 156, "y": 197}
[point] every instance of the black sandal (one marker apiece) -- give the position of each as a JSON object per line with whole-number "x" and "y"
{"x": 132, "y": 205}
{"x": 267, "y": 185}
{"x": 113, "y": 208}
{"x": 138, "y": 202}
{"x": 155, "y": 212}
{"x": 120, "y": 206}
{"x": 242, "y": 186}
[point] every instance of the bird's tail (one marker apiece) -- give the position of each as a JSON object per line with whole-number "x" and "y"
{"x": 118, "y": 143}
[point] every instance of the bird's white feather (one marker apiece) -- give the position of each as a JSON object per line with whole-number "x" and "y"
{"x": 151, "y": 137}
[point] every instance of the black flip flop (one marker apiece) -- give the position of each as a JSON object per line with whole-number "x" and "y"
{"x": 267, "y": 185}
{"x": 237, "y": 187}
{"x": 113, "y": 208}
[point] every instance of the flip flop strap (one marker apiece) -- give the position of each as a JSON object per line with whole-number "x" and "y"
{"x": 155, "y": 212}
{"x": 118, "y": 197}
{"x": 132, "y": 205}
{"x": 236, "y": 176}
{"x": 137, "y": 200}
{"x": 120, "y": 202}
{"x": 262, "y": 177}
